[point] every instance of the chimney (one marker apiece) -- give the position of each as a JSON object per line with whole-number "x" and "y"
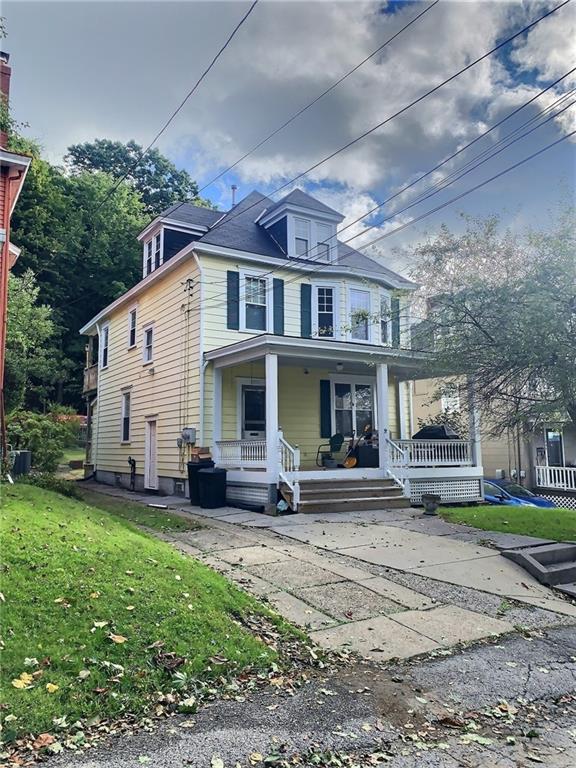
{"x": 5, "y": 73}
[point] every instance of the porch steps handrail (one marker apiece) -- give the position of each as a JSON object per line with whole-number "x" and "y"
{"x": 437, "y": 453}
{"x": 289, "y": 461}
{"x": 397, "y": 462}
{"x": 560, "y": 478}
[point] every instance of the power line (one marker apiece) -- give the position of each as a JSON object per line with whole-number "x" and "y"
{"x": 227, "y": 218}
{"x": 322, "y": 266}
{"x": 317, "y": 99}
{"x": 460, "y": 172}
{"x": 179, "y": 107}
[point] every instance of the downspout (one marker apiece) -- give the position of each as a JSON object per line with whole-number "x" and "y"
{"x": 201, "y": 362}
{"x": 96, "y": 442}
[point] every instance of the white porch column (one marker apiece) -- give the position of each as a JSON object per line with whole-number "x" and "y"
{"x": 474, "y": 425}
{"x": 272, "y": 415}
{"x": 217, "y": 412}
{"x": 382, "y": 411}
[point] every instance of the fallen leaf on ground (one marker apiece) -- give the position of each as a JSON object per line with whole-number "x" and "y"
{"x": 43, "y": 740}
{"x": 118, "y": 639}
{"x": 52, "y": 687}
{"x": 216, "y": 762}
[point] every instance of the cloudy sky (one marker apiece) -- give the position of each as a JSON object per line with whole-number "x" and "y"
{"x": 83, "y": 70}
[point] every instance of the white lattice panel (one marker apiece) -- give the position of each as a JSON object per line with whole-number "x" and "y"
{"x": 568, "y": 501}
{"x": 252, "y": 494}
{"x": 448, "y": 490}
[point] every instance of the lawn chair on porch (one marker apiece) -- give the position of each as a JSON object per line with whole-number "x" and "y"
{"x": 327, "y": 450}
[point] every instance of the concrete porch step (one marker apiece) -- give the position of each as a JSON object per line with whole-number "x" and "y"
{"x": 358, "y": 504}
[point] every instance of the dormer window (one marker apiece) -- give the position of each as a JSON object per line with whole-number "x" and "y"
{"x": 302, "y": 233}
{"x": 152, "y": 253}
{"x": 303, "y": 227}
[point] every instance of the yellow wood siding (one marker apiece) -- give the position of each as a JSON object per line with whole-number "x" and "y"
{"x": 214, "y": 269}
{"x": 159, "y": 393}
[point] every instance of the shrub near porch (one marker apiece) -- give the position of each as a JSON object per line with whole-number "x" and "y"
{"x": 85, "y": 591}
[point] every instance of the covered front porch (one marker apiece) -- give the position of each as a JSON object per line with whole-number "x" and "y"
{"x": 277, "y": 399}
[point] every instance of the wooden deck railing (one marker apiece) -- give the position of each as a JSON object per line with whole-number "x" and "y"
{"x": 90, "y": 379}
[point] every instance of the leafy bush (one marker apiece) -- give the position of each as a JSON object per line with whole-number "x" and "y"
{"x": 52, "y": 483}
{"x": 45, "y": 434}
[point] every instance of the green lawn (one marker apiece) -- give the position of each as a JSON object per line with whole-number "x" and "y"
{"x": 159, "y": 519}
{"x": 558, "y": 524}
{"x": 73, "y": 454}
{"x": 88, "y": 603}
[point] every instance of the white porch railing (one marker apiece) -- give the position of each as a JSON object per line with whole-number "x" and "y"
{"x": 436, "y": 453}
{"x": 289, "y": 459}
{"x": 244, "y": 454}
{"x": 561, "y": 478}
{"x": 397, "y": 463}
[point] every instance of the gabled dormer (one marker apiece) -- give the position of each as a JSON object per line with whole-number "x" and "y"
{"x": 303, "y": 227}
{"x": 172, "y": 231}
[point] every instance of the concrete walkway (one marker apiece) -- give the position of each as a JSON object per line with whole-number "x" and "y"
{"x": 387, "y": 584}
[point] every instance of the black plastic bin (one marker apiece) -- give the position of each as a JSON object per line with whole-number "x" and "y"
{"x": 212, "y": 488}
{"x": 193, "y": 468}
{"x": 22, "y": 463}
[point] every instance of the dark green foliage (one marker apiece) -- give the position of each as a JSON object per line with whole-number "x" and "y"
{"x": 45, "y": 434}
{"x": 156, "y": 180}
{"x": 50, "y": 482}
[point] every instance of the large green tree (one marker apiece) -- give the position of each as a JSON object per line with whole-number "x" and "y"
{"x": 502, "y": 309}
{"x": 80, "y": 243}
{"x": 32, "y": 361}
{"x": 157, "y": 180}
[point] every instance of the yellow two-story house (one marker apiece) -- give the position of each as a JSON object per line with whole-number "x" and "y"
{"x": 257, "y": 334}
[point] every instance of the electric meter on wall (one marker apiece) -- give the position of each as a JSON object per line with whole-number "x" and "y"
{"x": 189, "y": 435}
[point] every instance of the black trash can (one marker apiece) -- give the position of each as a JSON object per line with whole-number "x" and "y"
{"x": 212, "y": 488}
{"x": 22, "y": 463}
{"x": 193, "y": 468}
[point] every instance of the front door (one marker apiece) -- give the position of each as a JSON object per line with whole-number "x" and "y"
{"x": 150, "y": 463}
{"x": 253, "y": 414}
{"x": 353, "y": 408}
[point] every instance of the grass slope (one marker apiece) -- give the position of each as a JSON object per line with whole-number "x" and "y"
{"x": 557, "y": 524}
{"x": 76, "y": 580}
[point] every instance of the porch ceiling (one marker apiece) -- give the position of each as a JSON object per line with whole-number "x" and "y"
{"x": 321, "y": 353}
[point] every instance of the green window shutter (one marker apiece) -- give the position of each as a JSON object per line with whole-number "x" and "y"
{"x": 305, "y": 311}
{"x": 278, "y": 293}
{"x": 395, "y": 320}
{"x": 233, "y": 299}
{"x": 325, "y": 408}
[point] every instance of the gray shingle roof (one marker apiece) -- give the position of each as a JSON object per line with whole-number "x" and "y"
{"x": 238, "y": 229}
{"x": 303, "y": 200}
{"x": 191, "y": 214}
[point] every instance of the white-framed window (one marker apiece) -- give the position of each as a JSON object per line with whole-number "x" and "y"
{"x": 359, "y": 311}
{"x": 147, "y": 258}
{"x": 148, "y": 349}
{"x": 256, "y": 302}
{"x": 157, "y": 250}
{"x": 352, "y": 406}
{"x": 385, "y": 339}
{"x": 125, "y": 424}
{"x": 302, "y": 237}
{"x": 323, "y": 235}
{"x": 325, "y": 314}
{"x": 132, "y": 315}
{"x": 104, "y": 346}
{"x": 153, "y": 253}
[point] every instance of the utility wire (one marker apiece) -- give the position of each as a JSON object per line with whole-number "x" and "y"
{"x": 179, "y": 107}
{"x": 226, "y": 218}
{"x": 459, "y": 173}
{"x": 301, "y": 111}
